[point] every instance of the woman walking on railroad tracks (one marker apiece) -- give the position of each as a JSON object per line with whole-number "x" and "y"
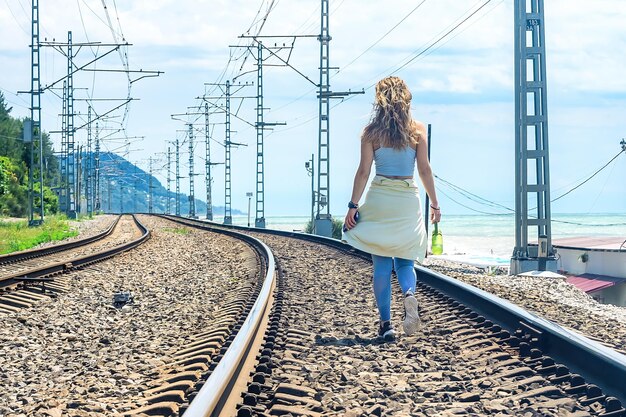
{"x": 389, "y": 223}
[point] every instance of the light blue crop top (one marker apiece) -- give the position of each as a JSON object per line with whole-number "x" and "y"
{"x": 395, "y": 162}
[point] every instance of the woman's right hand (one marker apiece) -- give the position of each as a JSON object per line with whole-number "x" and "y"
{"x": 349, "y": 221}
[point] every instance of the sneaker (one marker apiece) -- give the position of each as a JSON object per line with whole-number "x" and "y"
{"x": 385, "y": 330}
{"x": 411, "y": 316}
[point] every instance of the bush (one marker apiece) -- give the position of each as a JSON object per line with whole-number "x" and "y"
{"x": 50, "y": 199}
{"x": 337, "y": 227}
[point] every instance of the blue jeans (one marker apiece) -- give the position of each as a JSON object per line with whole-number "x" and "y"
{"x": 382, "y": 281}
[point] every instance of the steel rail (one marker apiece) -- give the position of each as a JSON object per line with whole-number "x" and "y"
{"x": 598, "y": 364}
{"x": 67, "y": 265}
{"x": 595, "y": 362}
{"x": 215, "y": 391}
{"x": 13, "y": 257}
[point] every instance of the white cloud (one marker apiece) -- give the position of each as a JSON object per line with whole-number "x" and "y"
{"x": 464, "y": 86}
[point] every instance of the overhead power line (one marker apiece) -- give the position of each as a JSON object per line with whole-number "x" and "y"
{"x": 486, "y": 202}
{"x": 592, "y": 175}
{"x": 442, "y": 37}
{"x": 382, "y": 37}
{"x": 480, "y": 199}
{"x": 419, "y": 53}
{"x": 353, "y": 61}
{"x": 16, "y": 20}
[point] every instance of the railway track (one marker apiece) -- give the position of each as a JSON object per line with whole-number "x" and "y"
{"x": 475, "y": 354}
{"x": 210, "y": 358}
{"x": 29, "y": 276}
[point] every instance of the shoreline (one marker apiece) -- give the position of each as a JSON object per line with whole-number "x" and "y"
{"x": 486, "y": 235}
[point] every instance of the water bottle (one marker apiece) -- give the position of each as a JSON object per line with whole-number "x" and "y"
{"x": 437, "y": 241}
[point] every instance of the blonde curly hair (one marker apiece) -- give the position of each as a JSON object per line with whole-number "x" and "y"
{"x": 391, "y": 125}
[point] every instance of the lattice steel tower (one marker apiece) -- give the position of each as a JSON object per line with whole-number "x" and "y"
{"x": 97, "y": 170}
{"x": 228, "y": 144}
{"x": 192, "y": 194}
{"x": 207, "y": 164}
{"x": 169, "y": 180}
{"x": 71, "y": 152}
{"x": 150, "y": 186}
{"x": 177, "y": 179}
{"x": 259, "y": 219}
{"x": 135, "y": 186}
{"x": 121, "y": 196}
{"x": 261, "y": 125}
{"x": 228, "y": 218}
{"x": 63, "y": 198}
{"x": 89, "y": 167}
{"x": 34, "y": 135}
{"x": 323, "y": 221}
{"x": 531, "y": 140}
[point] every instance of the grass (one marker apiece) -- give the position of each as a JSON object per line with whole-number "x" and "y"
{"x": 17, "y": 236}
{"x": 179, "y": 230}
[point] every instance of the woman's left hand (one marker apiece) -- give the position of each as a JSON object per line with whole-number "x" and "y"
{"x": 435, "y": 215}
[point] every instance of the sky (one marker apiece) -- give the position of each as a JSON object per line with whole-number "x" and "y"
{"x": 463, "y": 87}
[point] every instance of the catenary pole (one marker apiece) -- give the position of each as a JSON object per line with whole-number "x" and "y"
{"x": 207, "y": 163}
{"x": 34, "y": 135}
{"x": 192, "y": 197}
{"x": 177, "y": 203}
{"x": 150, "y": 196}
{"x": 531, "y": 141}
{"x": 169, "y": 179}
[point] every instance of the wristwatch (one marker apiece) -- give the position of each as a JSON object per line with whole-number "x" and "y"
{"x": 352, "y": 205}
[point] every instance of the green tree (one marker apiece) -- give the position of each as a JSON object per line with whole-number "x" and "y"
{"x": 14, "y": 167}
{"x": 10, "y": 133}
{"x": 13, "y": 189}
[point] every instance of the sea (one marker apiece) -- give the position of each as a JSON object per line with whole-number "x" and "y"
{"x": 488, "y": 239}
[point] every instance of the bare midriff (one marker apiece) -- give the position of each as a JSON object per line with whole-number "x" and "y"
{"x": 395, "y": 177}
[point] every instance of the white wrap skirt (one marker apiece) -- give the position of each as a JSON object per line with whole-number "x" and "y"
{"x": 390, "y": 221}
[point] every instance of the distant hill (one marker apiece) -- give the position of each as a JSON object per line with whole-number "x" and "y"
{"x": 120, "y": 177}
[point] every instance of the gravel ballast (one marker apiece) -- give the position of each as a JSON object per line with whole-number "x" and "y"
{"x": 77, "y": 355}
{"x": 552, "y": 298}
